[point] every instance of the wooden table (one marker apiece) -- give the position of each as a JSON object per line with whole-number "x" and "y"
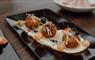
{"x": 86, "y": 21}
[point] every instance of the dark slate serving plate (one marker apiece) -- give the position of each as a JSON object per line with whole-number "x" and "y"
{"x": 43, "y": 53}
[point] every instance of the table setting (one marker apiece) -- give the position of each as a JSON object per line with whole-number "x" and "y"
{"x": 60, "y": 30}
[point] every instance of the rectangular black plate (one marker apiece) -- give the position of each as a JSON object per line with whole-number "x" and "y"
{"x": 42, "y": 53}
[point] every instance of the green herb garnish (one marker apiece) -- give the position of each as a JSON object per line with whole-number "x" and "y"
{"x": 43, "y": 30}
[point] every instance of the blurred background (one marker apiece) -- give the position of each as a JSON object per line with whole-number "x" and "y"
{"x": 7, "y": 6}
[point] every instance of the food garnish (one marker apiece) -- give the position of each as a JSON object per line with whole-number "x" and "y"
{"x": 61, "y": 47}
{"x": 38, "y": 36}
{"x": 48, "y": 30}
{"x": 20, "y": 22}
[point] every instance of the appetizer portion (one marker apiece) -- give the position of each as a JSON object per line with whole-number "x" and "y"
{"x": 46, "y": 33}
{"x": 71, "y": 42}
{"x": 31, "y": 21}
{"x": 48, "y": 30}
{"x": 71, "y": 39}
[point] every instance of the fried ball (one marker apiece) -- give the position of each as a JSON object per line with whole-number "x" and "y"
{"x": 31, "y": 22}
{"x": 72, "y": 43}
{"x": 48, "y": 31}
